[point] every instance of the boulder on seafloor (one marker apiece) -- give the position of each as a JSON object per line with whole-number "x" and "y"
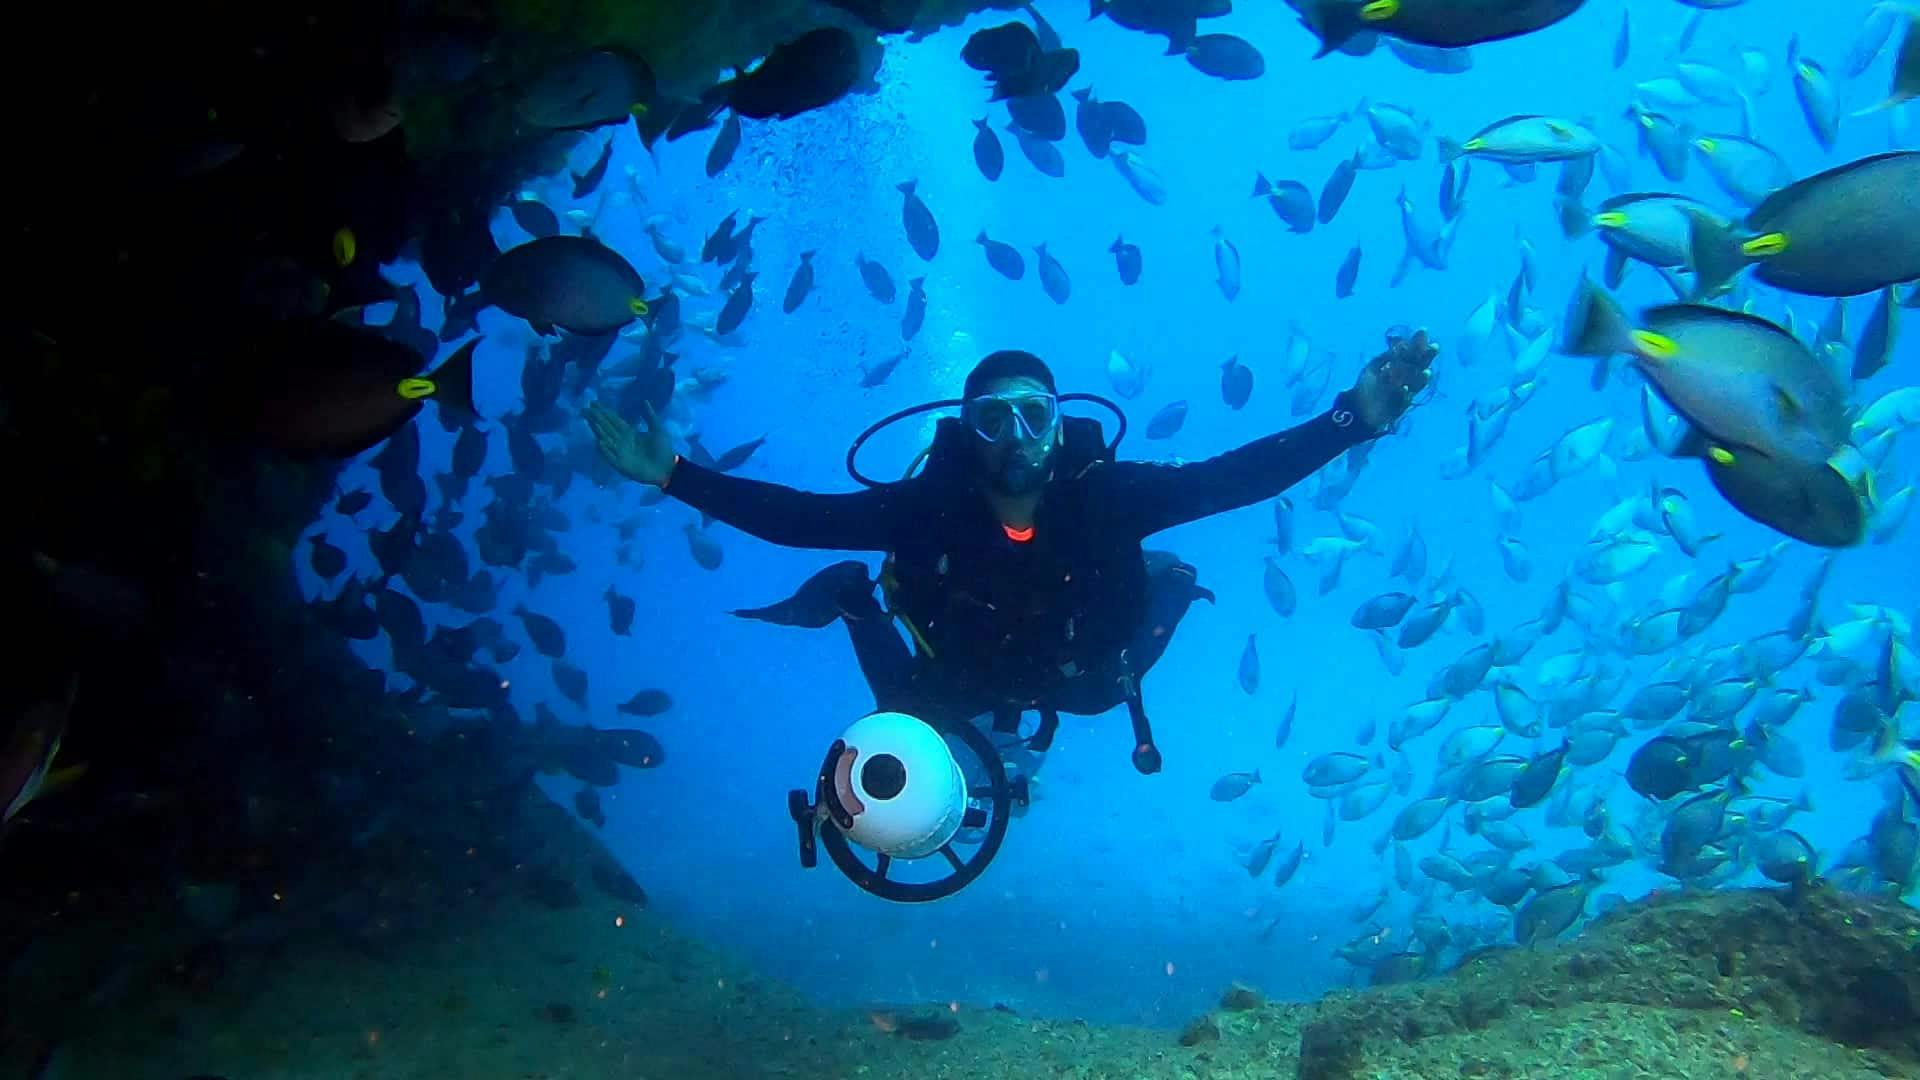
{"x": 1708, "y": 969}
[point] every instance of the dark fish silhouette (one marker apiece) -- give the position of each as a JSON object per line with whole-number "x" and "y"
{"x": 923, "y": 232}
{"x": 1002, "y": 257}
{"x": 619, "y": 611}
{"x": 547, "y": 636}
{"x": 327, "y": 560}
{"x": 800, "y": 285}
{"x": 322, "y": 387}
{"x": 1349, "y": 271}
{"x": 878, "y": 281}
{"x": 586, "y": 183}
{"x": 815, "y": 69}
{"x": 916, "y": 315}
{"x": 987, "y": 152}
{"x": 1053, "y": 276}
{"x": 1126, "y": 258}
{"x": 571, "y": 282}
{"x": 1236, "y": 383}
{"x": 586, "y": 91}
{"x": 1167, "y": 421}
{"x": 1224, "y": 56}
{"x": 535, "y": 216}
{"x": 647, "y": 703}
{"x": 725, "y": 142}
{"x": 1039, "y": 114}
{"x": 1446, "y": 24}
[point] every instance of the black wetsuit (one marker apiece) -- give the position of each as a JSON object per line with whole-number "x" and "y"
{"x": 1066, "y": 620}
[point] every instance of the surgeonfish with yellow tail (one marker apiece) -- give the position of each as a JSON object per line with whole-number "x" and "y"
{"x": 585, "y": 91}
{"x": 1844, "y": 232}
{"x": 1525, "y": 140}
{"x": 1819, "y": 102}
{"x": 1447, "y": 24}
{"x": 320, "y": 387}
{"x": 1746, "y": 170}
{"x": 1826, "y": 505}
{"x": 1654, "y": 228}
{"x": 1664, "y": 139}
{"x": 572, "y": 282}
{"x": 1740, "y": 379}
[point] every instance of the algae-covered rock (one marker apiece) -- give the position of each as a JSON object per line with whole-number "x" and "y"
{"x": 1815, "y": 969}
{"x": 1240, "y": 998}
{"x": 688, "y": 46}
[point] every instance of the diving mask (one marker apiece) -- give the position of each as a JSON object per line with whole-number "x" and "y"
{"x": 1026, "y": 415}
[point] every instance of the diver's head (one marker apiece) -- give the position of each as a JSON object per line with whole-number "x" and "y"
{"x": 1013, "y": 410}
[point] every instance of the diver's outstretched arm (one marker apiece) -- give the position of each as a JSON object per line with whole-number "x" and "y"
{"x": 855, "y": 521}
{"x": 1152, "y": 497}
{"x": 869, "y": 520}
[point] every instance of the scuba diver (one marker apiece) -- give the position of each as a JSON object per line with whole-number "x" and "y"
{"x": 1014, "y": 557}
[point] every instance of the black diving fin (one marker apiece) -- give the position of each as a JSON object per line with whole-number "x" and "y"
{"x": 820, "y": 599}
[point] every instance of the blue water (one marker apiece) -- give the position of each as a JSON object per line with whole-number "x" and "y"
{"x": 1120, "y": 897}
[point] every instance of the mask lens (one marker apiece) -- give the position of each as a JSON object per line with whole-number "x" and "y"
{"x": 1036, "y": 415}
{"x": 997, "y": 419}
{"x": 992, "y": 419}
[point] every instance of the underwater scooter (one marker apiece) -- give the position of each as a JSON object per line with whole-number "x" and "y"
{"x": 893, "y": 784}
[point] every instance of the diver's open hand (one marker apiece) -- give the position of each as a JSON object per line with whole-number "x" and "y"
{"x": 1393, "y": 379}
{"x": 644, "y": 453}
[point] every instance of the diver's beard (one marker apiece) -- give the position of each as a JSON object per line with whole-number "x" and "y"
{"x": 1021, "y": 475}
